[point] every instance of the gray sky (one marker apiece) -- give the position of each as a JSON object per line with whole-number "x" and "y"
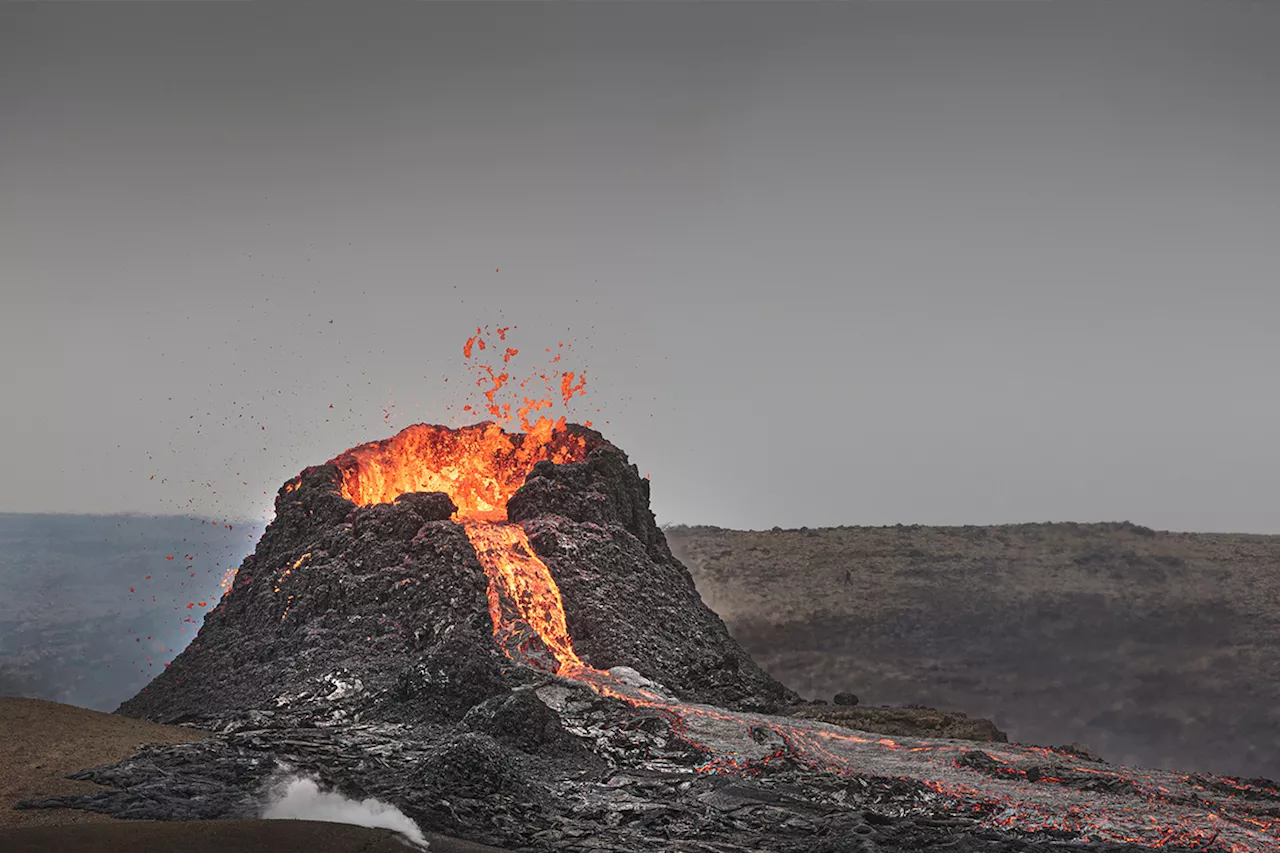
{"x": 825, "y": 264}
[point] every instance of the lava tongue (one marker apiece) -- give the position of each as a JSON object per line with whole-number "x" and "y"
{"x": 524, "y": 601}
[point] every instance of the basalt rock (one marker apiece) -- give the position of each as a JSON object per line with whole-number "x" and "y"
{"x": 430, "y": 506}
{"x": 396, "y": 605}
{"x": 604, "y": 490}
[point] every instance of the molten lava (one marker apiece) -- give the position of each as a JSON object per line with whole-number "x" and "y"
{"x": 524, "y": 601}
{"x": 478, "y": 466}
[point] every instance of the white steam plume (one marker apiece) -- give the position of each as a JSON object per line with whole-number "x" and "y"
{"x": 300, "y": 798}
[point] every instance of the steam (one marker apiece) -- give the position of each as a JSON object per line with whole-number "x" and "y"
{"x": 300, "y": 798}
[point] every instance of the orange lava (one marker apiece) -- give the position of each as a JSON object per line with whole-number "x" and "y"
{"x": 478, "y": 466}
{"x": 524, "y": 601}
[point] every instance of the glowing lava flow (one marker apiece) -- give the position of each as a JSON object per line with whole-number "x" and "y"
{"x": 529, "y": 625}
{"x": 524, "y": 601}
{"x": 481, "y": 466}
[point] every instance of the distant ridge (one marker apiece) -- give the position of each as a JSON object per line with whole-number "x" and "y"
{"x": 1145, "y": 645}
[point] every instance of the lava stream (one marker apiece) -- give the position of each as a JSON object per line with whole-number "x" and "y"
{"x": 524, "y": 601}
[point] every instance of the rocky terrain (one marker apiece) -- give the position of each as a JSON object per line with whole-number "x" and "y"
{"x": 533, "y": 669}
{"x": 1152, "y": 648}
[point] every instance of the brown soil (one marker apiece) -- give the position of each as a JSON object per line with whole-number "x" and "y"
{"x": 45, "y": 741}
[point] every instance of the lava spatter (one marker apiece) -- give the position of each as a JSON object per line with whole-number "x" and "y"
{"x": 478, "y": 466}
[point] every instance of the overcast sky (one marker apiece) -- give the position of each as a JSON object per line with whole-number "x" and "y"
{"x": 935, "y": 263}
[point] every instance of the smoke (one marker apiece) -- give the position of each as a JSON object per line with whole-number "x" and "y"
{"x": 300, "y": 798}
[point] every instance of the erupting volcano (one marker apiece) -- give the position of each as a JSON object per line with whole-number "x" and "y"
{"x": 488, "y": 629}
{"x": 480, "y": 468}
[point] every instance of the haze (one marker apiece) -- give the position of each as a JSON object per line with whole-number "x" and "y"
{"x": 824, "y": 264}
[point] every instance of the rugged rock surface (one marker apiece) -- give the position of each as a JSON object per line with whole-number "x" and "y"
{"x": 627, "y": 600}
{"x": 911, "y": 721}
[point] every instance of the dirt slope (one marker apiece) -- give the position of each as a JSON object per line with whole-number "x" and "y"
{"x": 1159, "y": 649}
{"x": 42, "y": 742}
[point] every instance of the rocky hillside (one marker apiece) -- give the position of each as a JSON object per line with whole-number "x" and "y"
{"x": 1152, "y": 648}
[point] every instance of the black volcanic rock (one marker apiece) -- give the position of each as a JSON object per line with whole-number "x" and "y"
{"x": 357, "y": 646}
{"x": 648, "y": 616}
{"x": 627, "y": 600}
{"x": 392, "y": 607}
{"x": 429, "y": 506}
{"x": 604, "y": 489}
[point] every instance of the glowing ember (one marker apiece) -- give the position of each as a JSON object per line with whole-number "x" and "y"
{"x": 478, "y": 466}
{"x": 524, "y": 400}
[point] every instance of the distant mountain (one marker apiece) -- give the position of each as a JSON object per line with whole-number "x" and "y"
{"x": 71, "y": 629}
{"x": 1152, "y": 648}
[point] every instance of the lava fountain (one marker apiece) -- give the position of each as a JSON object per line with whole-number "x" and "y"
{"x": 480, "y": 467}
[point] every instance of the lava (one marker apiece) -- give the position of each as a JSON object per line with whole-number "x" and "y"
{"x": 478, "y": 466}
{"x": 524, "y": 601}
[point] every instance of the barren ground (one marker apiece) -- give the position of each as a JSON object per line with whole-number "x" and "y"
{"x": 45, "y": 741}
{"x": 1152, "y": 648}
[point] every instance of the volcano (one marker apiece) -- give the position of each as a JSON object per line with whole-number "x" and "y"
{"x": 434, "y": 563}
{"x": 488, "y": 630}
